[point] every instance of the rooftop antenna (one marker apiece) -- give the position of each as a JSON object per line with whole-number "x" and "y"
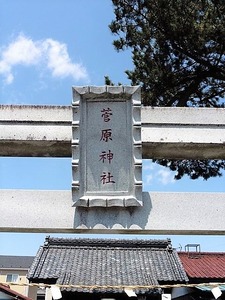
{"x": 193, "y": 250}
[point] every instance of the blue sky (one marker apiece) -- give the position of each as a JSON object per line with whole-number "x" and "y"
{"x": 46, "y": 47}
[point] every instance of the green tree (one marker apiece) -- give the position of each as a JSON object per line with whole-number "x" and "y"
{"x": 178, "y": 51}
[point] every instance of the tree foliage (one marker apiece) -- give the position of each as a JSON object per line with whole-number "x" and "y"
{"x": 178, "y": 51}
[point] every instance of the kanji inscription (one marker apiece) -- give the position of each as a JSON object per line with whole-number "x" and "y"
{"x": 106, "y": 114}
{"x": 106, "y": 135}
{"x": 106, "y": 146}
{"x": 106, "y": 156}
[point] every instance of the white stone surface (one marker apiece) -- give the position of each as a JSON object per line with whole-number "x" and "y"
{"x": 35, "y": 113}
{"x": 183, "y": 132}
{"x": 162, "y": 213}
{"x": 106, "y": 146}
{"x": 178, "y": 133}
{"x": 183, "y": 116}
{"x": 167, "y": 132}
{"x": 35, "y": 130}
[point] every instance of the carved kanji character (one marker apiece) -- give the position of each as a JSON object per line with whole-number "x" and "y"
{"x": 106, "y": 113}
{"x": 106, "y": 156}
{"x": 107, "y": 178}
{"x": 106, "y": 135}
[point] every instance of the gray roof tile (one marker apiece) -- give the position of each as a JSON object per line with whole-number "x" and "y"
{"x": 107, "y": 262}
{"x": 15, "y": 262}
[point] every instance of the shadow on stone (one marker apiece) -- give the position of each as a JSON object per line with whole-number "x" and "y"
{"x": 115, "y": 218}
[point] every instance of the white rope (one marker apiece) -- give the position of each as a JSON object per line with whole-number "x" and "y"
{"x": 162, "y": 286}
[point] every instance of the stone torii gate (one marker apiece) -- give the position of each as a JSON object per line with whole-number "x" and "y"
{"x": 176, "y": 133}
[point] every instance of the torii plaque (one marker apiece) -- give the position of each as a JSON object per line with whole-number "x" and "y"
{"x": 106, "y": 146}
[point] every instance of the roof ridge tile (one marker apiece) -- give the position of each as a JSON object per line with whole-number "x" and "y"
{"x": 129, "y": 243}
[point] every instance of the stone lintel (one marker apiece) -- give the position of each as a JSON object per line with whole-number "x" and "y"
{"x": 161, "y": 213}
{"x": 178, "y": 133}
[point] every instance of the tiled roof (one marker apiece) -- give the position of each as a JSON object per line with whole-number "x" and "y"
{"x": 6, "y": 290}
{"x": 15, "y": 262}
{"x": 90, "y": 262}
{"x": 204, "y": 265}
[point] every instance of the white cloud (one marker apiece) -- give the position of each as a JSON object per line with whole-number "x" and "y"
{"x": 22, "y": 51}
{"x": 149, "y": 179}
{"x": 165, "y": 176}
{"x": 155, "y": 174}
{"x": 59, "y": 61}
{"x": 148, "y": 166}
{"x": 47, "y": 53}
